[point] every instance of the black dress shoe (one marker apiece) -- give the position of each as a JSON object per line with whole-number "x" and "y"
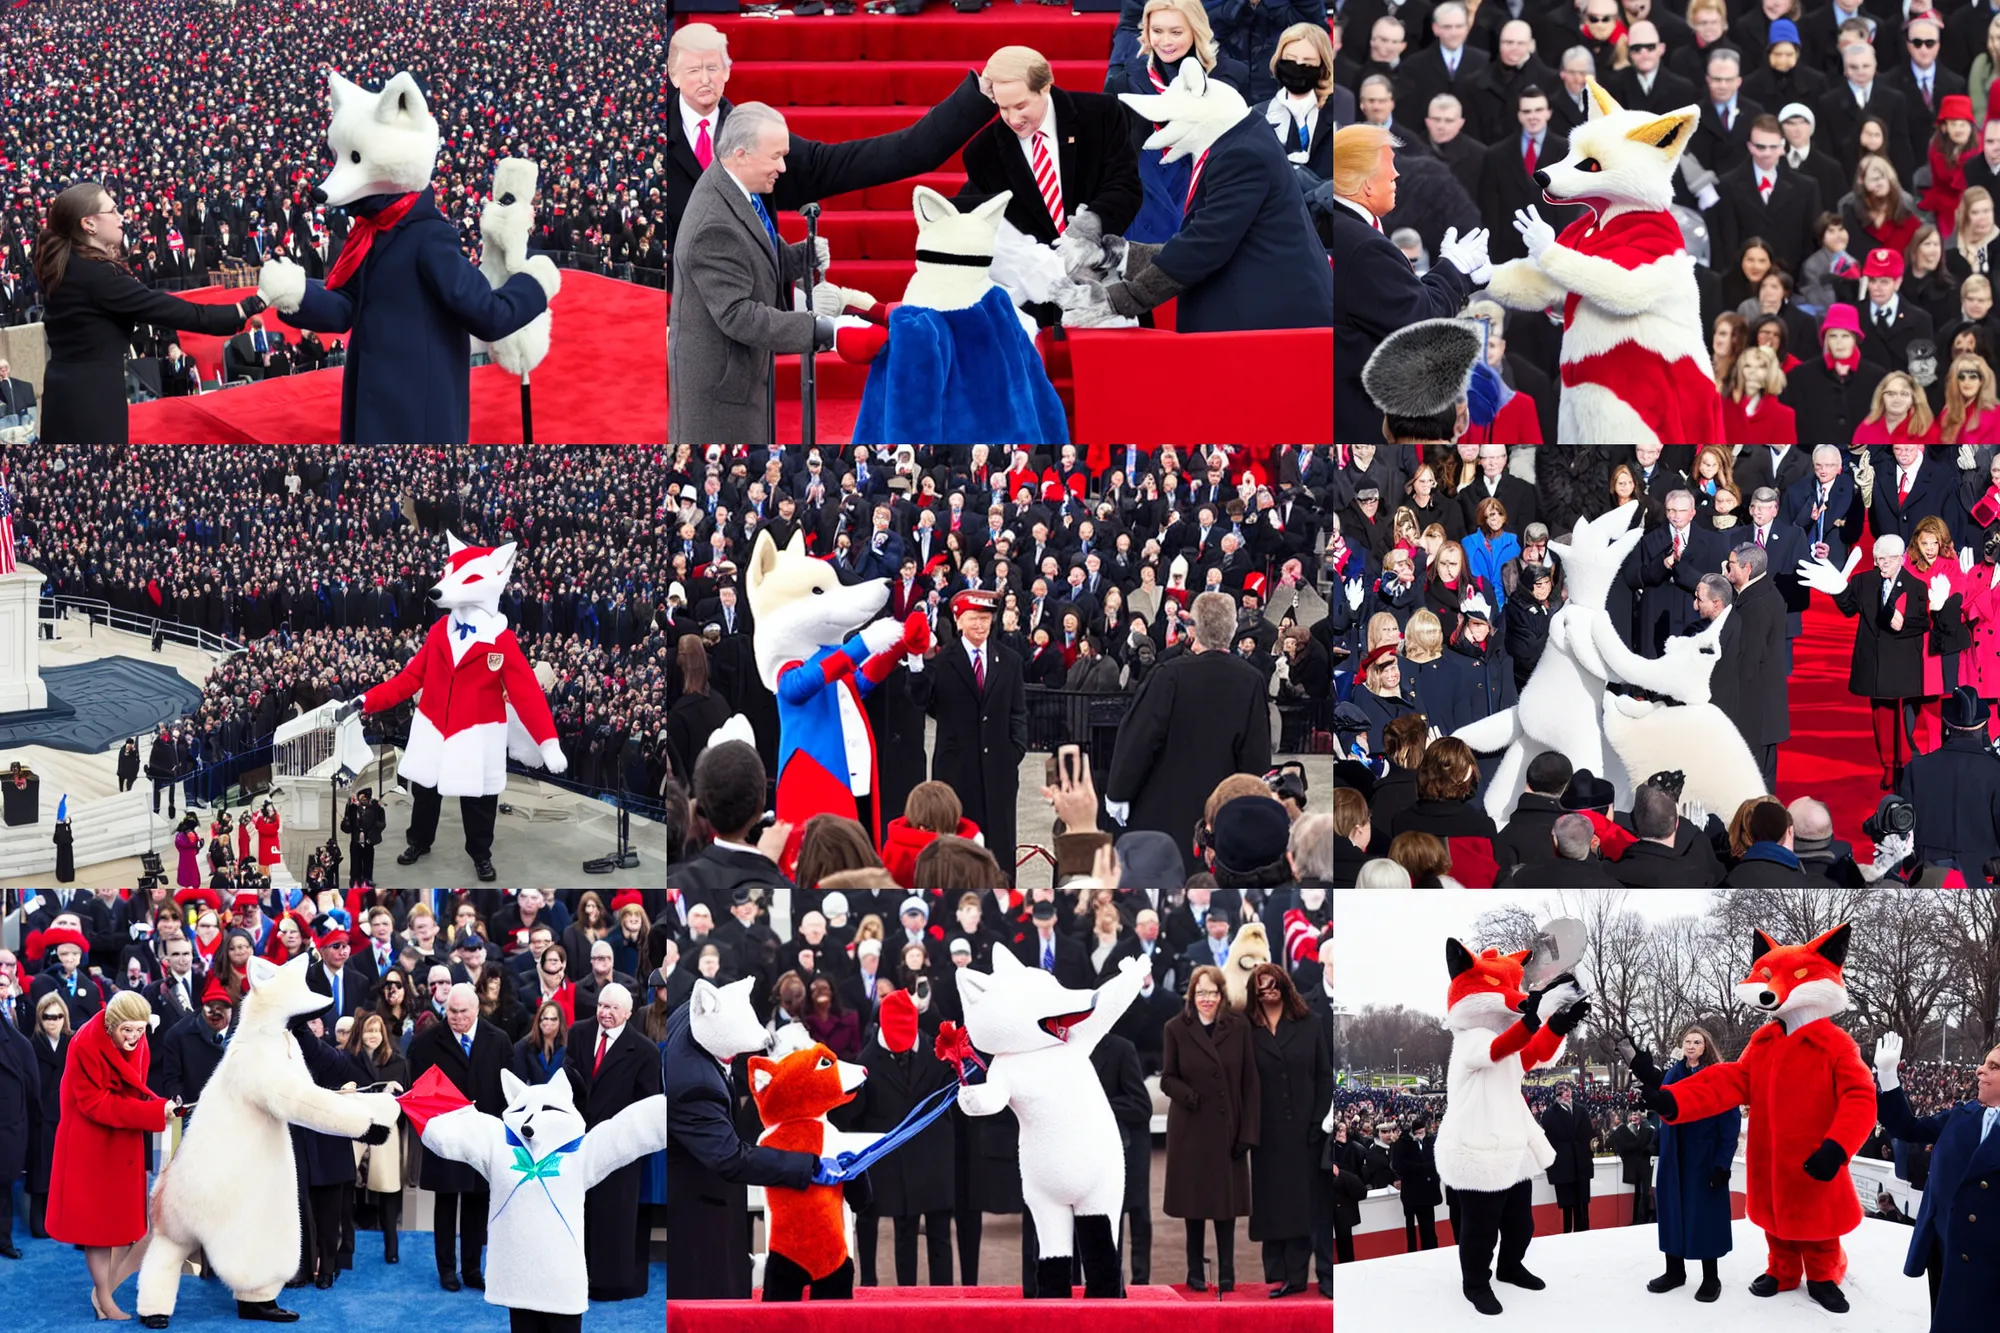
{"x": 1483, "y": 1299}
{"x": 1225, "y": 1286}
{"x": 299, "y": 1280}
{"x": 1517, "y": 1276}
{"x": 265, "y": 1312}
{"x": 1763, "y": 1285}
{"x": 449, "y": 1281}
{"x": 484, "y": 869}
{"x": 476, "y": 1281}
{"x": 1828, "y": 1295}
{"x": 153, "y": 1320}
{"x": 1326, "y": 1288}
{"x": 1287, "y": 1290}
{"x": 324, "y": 1281}
{"x": 410, "y": 855}
{"x": 8, "y": 1250}
{"x": 1196, "y": 1284}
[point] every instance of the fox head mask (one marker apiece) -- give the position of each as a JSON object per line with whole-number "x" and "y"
{"x": 1619, "y": 156}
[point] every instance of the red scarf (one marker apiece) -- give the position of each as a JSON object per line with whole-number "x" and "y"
{"x": 1844, "y": 367}
{"x": 363, "y": 235}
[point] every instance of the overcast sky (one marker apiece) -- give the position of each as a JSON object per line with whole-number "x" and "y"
{"x": 1389, "y": 945}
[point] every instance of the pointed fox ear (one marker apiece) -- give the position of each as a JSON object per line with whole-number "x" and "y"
{"x": 762, "y": 1072}
{"x": 1601, "y": 102}
{"x": 401, "y": 101}
{"x": 1668, "y": 133}
{"x": 1761, "y": 945}
{"x": 991, "y": 210}
{"x": 452, "y": 545}
{"x": 930, "y": 206}
{"x": 1832, "y": 946}
{"x": 1457, "y": 958}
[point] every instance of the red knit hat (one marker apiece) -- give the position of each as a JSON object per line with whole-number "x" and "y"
{"x": 335, "y": 935}
{"x": 63, "y": 935}
{"x": 246, "y": 898}
{"x": 625, "y": 898}
{"x": 899, "y": 1022}
{"x": 215, "y": 990}
{"x": 208, "y": 898}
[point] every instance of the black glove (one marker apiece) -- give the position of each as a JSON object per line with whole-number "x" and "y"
{"x": 347, "y": 710}
{"x": 1530, "y": 1019}
{"x": 1826, "y": 1161}
{"x": 1718, "y": 1177}
{"x": 253, "y": 304}
{"x": 1662, "y": 1100}
{"x": 858, "y": 1192}
{"x": 823, "y": 331}
{"x": 1565, "y": 1020}
{"x": 376, "y": 1134}
{"x": 1644, "y": 1069}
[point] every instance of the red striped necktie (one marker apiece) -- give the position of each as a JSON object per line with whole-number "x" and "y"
{"x": 1046, "y": 182}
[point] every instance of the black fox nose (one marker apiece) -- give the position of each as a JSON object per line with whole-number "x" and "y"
{"x": 1542, "y": 179}
{"x": 318, "y": 195}
{"x": 436, "y": 593}
{"x": 1765, "y": 998}
{"x": 527, "y": 1131}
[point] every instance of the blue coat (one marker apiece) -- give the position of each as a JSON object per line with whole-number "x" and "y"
{"x": 1694, "y": 1218}
{"x": 411, "y": 311}
{"x": 1165, "y": 183}
{"x": 1965, "y": 1175}
{"x": 1249, "y": 33}
{"x": 967, "y": 376}
{"x": 1246, "y": 252}
{"x": 1444, "y": 691}
{"x": 1487, "y": 556}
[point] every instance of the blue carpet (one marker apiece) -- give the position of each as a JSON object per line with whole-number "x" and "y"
{"x": 110, "y": 699}
{"x": 49, "y": 1289}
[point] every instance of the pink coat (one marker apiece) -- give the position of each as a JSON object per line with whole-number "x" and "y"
{"x": 1980, "y": 668}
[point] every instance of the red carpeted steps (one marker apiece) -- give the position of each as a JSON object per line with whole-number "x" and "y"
{"x": 848, "y": 77}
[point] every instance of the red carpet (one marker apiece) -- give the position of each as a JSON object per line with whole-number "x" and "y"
{"x": 1001, "y": 1310}
{"x": 607, "y": 333}
{"x": 1831, "y": 755}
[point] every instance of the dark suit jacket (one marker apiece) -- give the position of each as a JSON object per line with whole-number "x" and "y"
{"x": 478, "y": 1078}
{"x": 1377, "y": 294}
{"x": 1930, "y": 491}
{"x": 1754, "y": 694}
{"x": 1423, "y": 75}
{"x": 815, "y": 170}
{"x": 1922, "y": 115}
{"x": 1828, "y": 172}
{"x": 1784, "y": 221}
{"x": 1072, "y": 969}
{"x": 1722, "y": 150}
{"x": 1890, "y": 349}
{"x": 1517, "y": 497}
{"x": 1666, "y": 606}
{"x": 1964, "y": 1171}
{"x": 1753, "y": 468}
{"x": 1837, "y": 124}
{"x": 1841, "y": 520}
{"x": 16, "y": 395}
{"x": 354, "y": 988}
{"x": 1094, "y": 161}
{"x": 1505, "y": 187}
{"x": 1670, "y": 92}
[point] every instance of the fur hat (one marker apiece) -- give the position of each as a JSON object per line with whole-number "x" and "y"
{"x": 1251, "y": 832}
{"x": 1151, "y": 860}
{"x": 1422, "y": 370}
{"x": 899, "y": 1022}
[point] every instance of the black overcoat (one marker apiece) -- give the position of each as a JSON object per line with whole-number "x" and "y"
{"x": 50, "y": 1061}
{"x": 611, "y": 1219}
{"x": 1295, "y": 1084}
{"x": 478, "y": 1078}
{"x": 916, "y": 1178}
{"x": 981, "y": 738}
{"x": 20, "y": 1105}
{"x": 1888, "y": 662}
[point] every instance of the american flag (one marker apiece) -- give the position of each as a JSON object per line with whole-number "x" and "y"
{"x": 6, "y": 527}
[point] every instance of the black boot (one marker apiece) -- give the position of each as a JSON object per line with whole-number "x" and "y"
{"x": 1763, "y": 1285}
{"x": 153, "y": 1320}
{"x": 265, "y": 1312}
{"x": 1711, "y": 1283}
{"x": 391, "y": 1247}
{"x": 408, "y": 856}
{"x": 1482, "y": 1298}
{"x": 1828, "y": 1295}
{"x": 1675, "y": 1276}
{"x": 485, "y": 871}
{"x": 1516, "y": 1275}
{"x": 1097, "y": 1245}
{"x": 1052, "y": 1278}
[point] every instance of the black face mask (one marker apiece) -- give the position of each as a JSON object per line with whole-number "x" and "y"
{"x": 1298, "y": 78}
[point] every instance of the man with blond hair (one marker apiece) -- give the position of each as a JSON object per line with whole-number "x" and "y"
{"x": 1058, "y": 152}
{"x": 1378, "y": 292}
{"x": 698, "y": 68}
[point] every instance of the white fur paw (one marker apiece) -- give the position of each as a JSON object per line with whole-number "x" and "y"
{"x": 553, "y": 758}
{"x": 544, "y": 271}
{"x": 882, "y": 635}
{"x": 282, "y": 284}
{"x": 1519, "y": 284}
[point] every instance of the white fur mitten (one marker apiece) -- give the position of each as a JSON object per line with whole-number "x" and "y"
{"x": 282, "y": 284}
{"x": 504, "y": 227}
{"x": 553, "y": 758}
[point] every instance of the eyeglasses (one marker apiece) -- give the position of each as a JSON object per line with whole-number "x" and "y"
{"x": 1969, "y": 375}
{"x": 392, "y": 985}
{"x": 1922, "y": 43}
{"x": 1642, "y": 46}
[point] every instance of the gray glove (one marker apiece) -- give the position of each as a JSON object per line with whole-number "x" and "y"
{"x": 1082, "y": 245}
{"x": 823, "y": 331}
{"x": 828, "y": 300}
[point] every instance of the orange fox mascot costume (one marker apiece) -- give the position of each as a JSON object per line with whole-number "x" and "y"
{"x": 1489, "y": 1148}
{"x": 1813, "y": 1099}
{"x": 809, "y": 1228}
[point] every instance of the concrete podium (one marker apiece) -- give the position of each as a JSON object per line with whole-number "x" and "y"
{"x": 21, "y": 688}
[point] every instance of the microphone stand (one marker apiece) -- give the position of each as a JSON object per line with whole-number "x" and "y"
{"x": 808, "y": 364}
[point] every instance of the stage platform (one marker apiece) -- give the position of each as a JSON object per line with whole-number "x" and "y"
{"x": 1601, "y": 1276}
{"x": 1002, "y": 1310}
{"x": 604, "y": 382}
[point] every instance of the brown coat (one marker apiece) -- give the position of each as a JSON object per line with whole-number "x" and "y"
{"x": 1210, "y": 1078}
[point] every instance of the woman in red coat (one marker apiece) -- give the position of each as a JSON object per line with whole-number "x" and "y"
{"x": 267, "y": 825}
{"x": 97, "y": 1191}
{"x": 1751, "y": 412}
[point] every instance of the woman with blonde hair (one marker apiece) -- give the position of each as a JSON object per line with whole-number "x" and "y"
{"x": 1899, "y": 414}
{"x": 1751, "y": 412}
{"x": 1972, "y": 240}
{"x": 1969, "y": 415}
{"x": 1381, "y": 695}
{"x": 1302, "y": 63}
{"x": 1170, "y": 32}
{"x": 1878, "y": 213}
{"x": 1437, "y": 677}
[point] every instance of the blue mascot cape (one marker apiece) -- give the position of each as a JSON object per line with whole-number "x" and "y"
{"x": 967, "y": 376}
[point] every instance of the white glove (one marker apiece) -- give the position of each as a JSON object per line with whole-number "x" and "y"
{"x": 1466, "y": 253}
{"x": 828, "y": 300}
{"x": 1968, "y": 458}
{"x": 1536, "y": 234}
{"x": 1821, "y": 576}
{"x": 881, "y": 635}
{"x": 282, "y": 284}
{"x": 1891, "y": 852}
{"x": 1888, "y": 1054}
{"x": 822, "y": 256}
{"x": 1121, "y": 811}
{"x": 553, "y": 759}
{"x": 1940, "y": 592}
{"x": 858, "y": 299}
{"x": 1356, "y": 590}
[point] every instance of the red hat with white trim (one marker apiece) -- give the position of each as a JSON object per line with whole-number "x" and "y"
{"x": 976, "y": 599}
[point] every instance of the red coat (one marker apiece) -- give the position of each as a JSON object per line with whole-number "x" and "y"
{"x": 1774, "y": 423}
{"x": 97, "y": 1190}
{"x": 458, "y": 738}
{"x": 267, "y": 838}
{"x": 1802, "y": 1088}
{"x": 904, "y": 842}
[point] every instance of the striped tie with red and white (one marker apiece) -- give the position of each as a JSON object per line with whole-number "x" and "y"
{"x": 1046, "y": 182}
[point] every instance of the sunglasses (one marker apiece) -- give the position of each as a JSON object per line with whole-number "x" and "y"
{"x": 1969, "y": 375}
{"x": 1923, "y": 42}
{"x": 1595, "y": 19}
{"x": 1642, "y": 46}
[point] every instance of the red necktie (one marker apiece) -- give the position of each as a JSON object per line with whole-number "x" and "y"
{"x": 1528, "y": 158}
{"x": 600, "y": 1053}
{"x": 1764, "y": 188}
{"x": 1902, "y": 488}
{"x": 979, "y": 671}
{"x": 1680, "y": 543}
{"x": 1045, "y": 181}
{"x": 704, "y": 151}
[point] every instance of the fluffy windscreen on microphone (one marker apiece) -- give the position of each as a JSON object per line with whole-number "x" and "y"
{"x": 1422, "y": 370}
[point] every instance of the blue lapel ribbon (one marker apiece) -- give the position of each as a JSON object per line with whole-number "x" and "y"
{"x": 463, "y": 628}
{"x": 539, "y": 1172}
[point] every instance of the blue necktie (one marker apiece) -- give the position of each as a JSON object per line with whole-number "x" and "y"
{"x": 1049, "y": 955}
{"x": 1986, "y": 1122}
{"x": 1305, "y": 138}
{"x": 335, "y": 979}
{"x": 770, "y": 227}
{"x": 466, "y": 1043}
